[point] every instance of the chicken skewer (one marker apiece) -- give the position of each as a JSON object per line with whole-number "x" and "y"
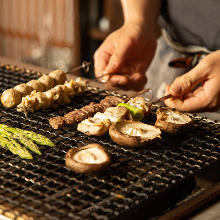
{"x": 12, "y": 97}
{"x": 87, "y": 111}
{"x": 58, "y": 95}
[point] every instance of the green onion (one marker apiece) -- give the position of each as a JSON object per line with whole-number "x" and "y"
{"x": 136, "y": 113}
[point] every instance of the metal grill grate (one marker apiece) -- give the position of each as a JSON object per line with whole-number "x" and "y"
{"x": 44, "y": 188}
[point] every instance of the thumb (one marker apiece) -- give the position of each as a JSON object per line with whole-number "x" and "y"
{"x": 187, "y": 82}
{"x": 118, "y": 58}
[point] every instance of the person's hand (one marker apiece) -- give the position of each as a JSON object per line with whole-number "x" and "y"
{"x": 126, "y": 54}
{"x": 199, "y": 89}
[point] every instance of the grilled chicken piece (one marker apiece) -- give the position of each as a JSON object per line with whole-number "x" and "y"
{"x": 36, "y": 85}
{"x": 10, "y": 98}
{"x": 58, "y": 75}
{"x": 133, "y": 134}
{"x": 172, "y": 121}
{"x": 48, "y": 82}
{"x": 24, "y": 89}
{"x": 87, "y": 159}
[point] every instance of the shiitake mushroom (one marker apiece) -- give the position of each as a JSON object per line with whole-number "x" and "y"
{"x": 133, "y": 134}
{"x": 172, "y": 121}
{"x": 87, "y": 159}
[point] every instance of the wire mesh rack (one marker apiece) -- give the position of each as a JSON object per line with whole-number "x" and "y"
{"x": 43, "y": 188}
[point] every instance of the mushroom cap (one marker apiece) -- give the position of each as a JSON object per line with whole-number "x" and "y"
{"x": 88, "y": 159}
{"x": 133, "y": 134}
{"x": 171, "y": 121}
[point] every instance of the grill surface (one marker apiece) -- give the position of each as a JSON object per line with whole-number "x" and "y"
{"x": 45, "y": 188}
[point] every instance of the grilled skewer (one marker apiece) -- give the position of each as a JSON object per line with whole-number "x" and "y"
{"x": 83, "y": 113}
{"x": 60, "y": 94}
{"x": 91, "y": 109}
{"x": 12, "y": 97}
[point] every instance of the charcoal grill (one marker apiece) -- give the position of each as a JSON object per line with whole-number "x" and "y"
{"x": 146, "y": 180}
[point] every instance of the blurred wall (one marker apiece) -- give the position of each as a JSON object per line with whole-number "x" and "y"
{"x": 43, "y": 32}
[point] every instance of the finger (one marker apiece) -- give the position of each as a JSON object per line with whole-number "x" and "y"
{"x": 167, "y": 89}
{"x": 118, "y": 58}
{"x": 189, "y": 102}
{"x": 188, "y": 81}
{"x": 119, "y": 80}
{"x": 101, "y": 59}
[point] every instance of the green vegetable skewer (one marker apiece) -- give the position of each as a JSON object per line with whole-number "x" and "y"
{"x": 22, "y": 139}
{"x": 8, "y": 142}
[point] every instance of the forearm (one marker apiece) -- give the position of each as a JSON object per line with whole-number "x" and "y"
{"x": 142, "y": 12}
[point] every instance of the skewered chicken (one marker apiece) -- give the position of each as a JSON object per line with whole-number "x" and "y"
{"x": 83, "y": 113}
{"x": 99, "y": 124}
{"x": 12, "y": 97}
{"x": 60, "y": 94}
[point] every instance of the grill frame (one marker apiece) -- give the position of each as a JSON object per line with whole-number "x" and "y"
{"x": 128, "y": 185}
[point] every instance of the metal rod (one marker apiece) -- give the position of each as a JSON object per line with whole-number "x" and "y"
{"x": 85, "y": 65}
{"x": 162, "y": 98}
{"x": 136, "y": 94}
